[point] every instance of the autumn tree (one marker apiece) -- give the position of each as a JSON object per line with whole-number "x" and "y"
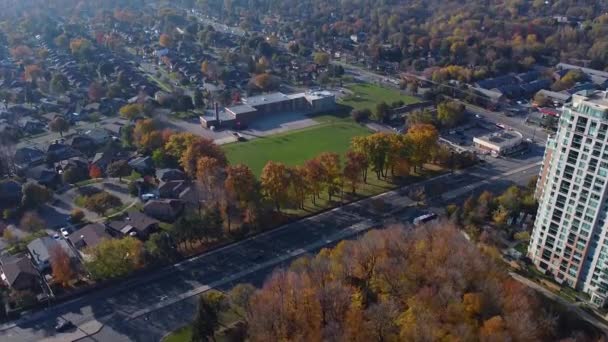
{"x": 275, "y": 181}
{"x": 200, "y": 147}
{"x": 298, "y": 187}
{"x": 32, "y": 72}
{"x": 131, "y": 111}
{"x": 81, "y": 47}
{"x": 178, "y": 143}
{"x": 397, "y": 285}
{"x": 242, "y": 184}
{"x": 355, "y": 169}
{"x": 165, "y": 40}
{"x": 101, "y": 202}
{"x": 314, "y": 177}
{"x": 332, "y": 173}
{"x": 321, "y": 58}
{"x": 31, "y": 222}
{"x": 211, "y": 175}
{"x": 96, "y": 91}
{"x": 59, "y": 124}
{"x": 422, "y": 140}
{"x": 265, "y": 81}
{"x": 510, "y": 200}
{"x": 61, "y": 266}
{"x": 95, "y": 171}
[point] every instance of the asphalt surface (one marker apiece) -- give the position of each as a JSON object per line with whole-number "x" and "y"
{"x": 146, "y": 308}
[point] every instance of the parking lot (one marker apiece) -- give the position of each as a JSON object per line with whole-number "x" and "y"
{"x": 463, "y": 135}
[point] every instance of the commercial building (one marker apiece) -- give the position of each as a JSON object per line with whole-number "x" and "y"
{"x": 499, "y": 143}
{"x": 570, "y": 236}
{"x": 257, "y": 107}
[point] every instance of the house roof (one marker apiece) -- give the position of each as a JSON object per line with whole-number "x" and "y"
{"x": 141, "y": 162}
{"x": 89, "y": 236}
{"x": 14, "y": 268}
{"x": 41, "y": 248}
{"x": 41, "y": 173}
{"x": 27, "y": 154}
{"x": 170, "y": 175}
{"x": 163, "y": 208}
{"x": 135, "y": 220}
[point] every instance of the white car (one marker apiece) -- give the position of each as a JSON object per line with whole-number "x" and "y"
{"x": 65, "y": 231}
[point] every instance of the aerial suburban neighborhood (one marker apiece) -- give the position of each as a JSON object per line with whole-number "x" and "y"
{"x": 303, "y": 170}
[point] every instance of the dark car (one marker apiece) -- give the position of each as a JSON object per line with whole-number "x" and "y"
{"x": 63, "y": 325}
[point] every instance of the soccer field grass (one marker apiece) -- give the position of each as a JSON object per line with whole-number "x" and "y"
{"x": 294, "y": 148}
{"x": 369, "y": 95}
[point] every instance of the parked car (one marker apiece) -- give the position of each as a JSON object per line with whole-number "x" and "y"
{"x": 63, "y": 325}
{"x": 65, "y": 231}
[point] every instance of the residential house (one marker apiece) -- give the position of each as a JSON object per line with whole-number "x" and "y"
{"x": 43, "y": 175}
{"x": 167, "y": 175}
{"x": 114, "y": 128}
{"x": 143, "y": 165}
{"x": 172, "y": 189}
{"x": 109, "y": 155}
{"x": 31, "y": 126}
{"x": 83, "y": 143}
{"x": 135, "y": 224}
{"x": 89, "y": 236}
{"x": 27, "y": 157}
{"x": 99, "y": 136}
{"x": 59, "y": 151}
{"x": 19, "y": 273}
{"x": 164, "y": 210}
{"x": 41, "y": 250}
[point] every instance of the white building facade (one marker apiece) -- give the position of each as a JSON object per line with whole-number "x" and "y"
{"x": 570, "y": 236}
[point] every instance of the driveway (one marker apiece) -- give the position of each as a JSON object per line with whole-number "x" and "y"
{"x": 63, "y": 203}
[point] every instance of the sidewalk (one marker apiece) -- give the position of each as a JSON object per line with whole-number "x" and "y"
{"x": 600, "y": 324}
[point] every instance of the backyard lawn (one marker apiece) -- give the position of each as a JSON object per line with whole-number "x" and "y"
{"x": 294, "y": 148}
{"x": 369, "y": 95}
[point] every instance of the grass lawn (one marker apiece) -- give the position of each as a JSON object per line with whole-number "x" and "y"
{"x": 183, "y": 334}
{"x": 369, "y": 95}
{"x": 294, "y": 148}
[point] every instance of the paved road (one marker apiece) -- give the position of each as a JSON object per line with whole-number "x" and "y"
{"x": 127, "y": 311}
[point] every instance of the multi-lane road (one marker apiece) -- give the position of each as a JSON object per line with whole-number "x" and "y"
{"x": 147, "y": 307}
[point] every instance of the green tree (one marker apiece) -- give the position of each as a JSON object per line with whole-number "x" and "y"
{"x": 450, "y": 113}
{"x": 207, "y": 318}
{"x": 34, "y": 195}
{"x": 511, "y": 199}
{"x": 119, "y": 169}
{"x": 114, "y": 258}
{"x": 382, "y": 112}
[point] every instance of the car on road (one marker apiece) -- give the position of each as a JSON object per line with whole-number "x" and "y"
{"x": 63, "y": 325}
{"x": 478, "y": 116}
{"x": 65, "y": 231}
{"x": 147, "y": 197}
{"x": 424, "y": 219}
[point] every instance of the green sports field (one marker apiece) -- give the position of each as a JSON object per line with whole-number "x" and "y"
{"x": 294, "y": 148}
{"x": 369, "y": 95}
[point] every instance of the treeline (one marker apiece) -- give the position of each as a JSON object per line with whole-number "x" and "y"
{"x": 427, "y": 284}
{"x": 485, "y": 37}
